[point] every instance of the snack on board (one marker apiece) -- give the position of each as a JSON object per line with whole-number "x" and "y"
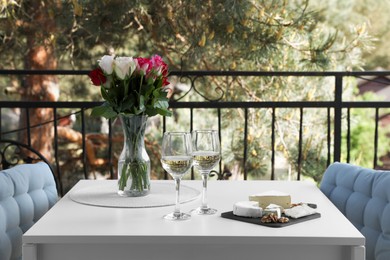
{"x": 300, "y": 210}
{"x": 272, "y": 197}
{"x": 272, "y": 218}
{"x": 273, "y": 209}
{"x": 247, "y": 209}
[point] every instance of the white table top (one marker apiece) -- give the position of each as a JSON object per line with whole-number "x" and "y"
{"x": 72, "y": 222}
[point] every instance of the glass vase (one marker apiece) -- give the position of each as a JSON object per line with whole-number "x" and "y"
{"x": 134, "y": 162}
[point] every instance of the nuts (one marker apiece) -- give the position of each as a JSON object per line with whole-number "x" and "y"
{"x": 273, "y": 218}
{"x": 283, "y": 220}
{"x": 296, "y": 204}
{"x": 266, "y": 219}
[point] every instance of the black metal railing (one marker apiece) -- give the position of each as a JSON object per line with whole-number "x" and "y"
{"x": 333, "y": 107}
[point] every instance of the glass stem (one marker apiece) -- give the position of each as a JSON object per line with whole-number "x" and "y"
{"x": 177, "y": 203}
{"x": 205, "y": 175}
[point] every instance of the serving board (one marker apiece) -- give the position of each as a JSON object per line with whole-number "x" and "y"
{"x": 257, "y": 221}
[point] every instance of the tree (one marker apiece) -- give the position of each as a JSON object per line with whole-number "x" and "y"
{"x": 193, "y": 35}
{"x": 278, "y": 35}
{"x": 374, "y": 14}
{"x": 34, "y": 35}
{"x": 39, "y": 55}
{"x": 362, "y": 132}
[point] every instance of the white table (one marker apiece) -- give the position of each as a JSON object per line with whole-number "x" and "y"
{"x": 71, "y": 230}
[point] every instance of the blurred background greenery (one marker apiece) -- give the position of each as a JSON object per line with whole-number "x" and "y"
{"x": 278, "y": 35}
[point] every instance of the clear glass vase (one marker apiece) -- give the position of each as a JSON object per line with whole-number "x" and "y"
{"x": 134, "y": 162}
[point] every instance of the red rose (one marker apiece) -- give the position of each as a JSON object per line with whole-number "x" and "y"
{"x": 97, "y": 77}
{"x": 165, "y": 81}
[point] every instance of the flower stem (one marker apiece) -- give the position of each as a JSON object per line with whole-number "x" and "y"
{"x": 134, "y": 166}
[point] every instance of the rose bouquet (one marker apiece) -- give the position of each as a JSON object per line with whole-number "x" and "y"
{"x": 131, "y": 86}
{"x": 133, "y": 90}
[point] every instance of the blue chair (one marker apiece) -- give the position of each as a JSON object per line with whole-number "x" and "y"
{"x": 27, "y": 192}
{"x": 363, "y": 196}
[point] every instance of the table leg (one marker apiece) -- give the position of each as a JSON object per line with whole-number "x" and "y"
{"x": 29, "y": 252}
{"x": 358, "y": 253}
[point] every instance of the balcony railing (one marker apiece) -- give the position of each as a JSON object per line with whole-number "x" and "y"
{"x": 337, "y": 113}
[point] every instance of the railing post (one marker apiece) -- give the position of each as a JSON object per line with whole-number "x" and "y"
{"x": 328, "y": 137}
{"x": 338, "y": 100}
{"x": 245, "y": 144}
{"x": 57, "y": 160}
{"x": 273, "y": 143}
{"x": 376, "y": 137}
{"x": 220, "y": 138}
{"x": 84, "y": 155}
{"x": 164, "y": 129}
{"x": 28, "y": 126}
{"x": 1, "y": 130}
{"x": 348, "y": 135}
{"x": 300, "y": 142}
{"x": 191, "y": 129}
{"x": 110, "y": 159}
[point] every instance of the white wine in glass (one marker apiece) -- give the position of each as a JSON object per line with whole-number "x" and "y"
{"x": 176, "y": 159}
{"x": 206, "y": 155}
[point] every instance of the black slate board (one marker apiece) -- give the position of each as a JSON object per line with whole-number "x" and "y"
{"x": 257, "y": 221}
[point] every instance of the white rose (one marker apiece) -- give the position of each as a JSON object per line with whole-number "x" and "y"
{"x": 108, "y": 82}
{"x": 124, "y": 66}
{"x": 133, "y": 66}
{"x": 106, "y": 63}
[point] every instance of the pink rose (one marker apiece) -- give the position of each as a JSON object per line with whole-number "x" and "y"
{"x": 144, "y": 65}
{"x": 159, "y": 65}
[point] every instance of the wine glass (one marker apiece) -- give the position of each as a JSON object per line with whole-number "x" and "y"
{"x": 176, "y": 159}
{"x": 206, "y": 155}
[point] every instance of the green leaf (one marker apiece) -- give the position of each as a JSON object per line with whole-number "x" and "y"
{"x": 164, "y": 112}
{"x": 159, "y": 83}
{"x": 156, "y": 93}
{"x": 148, "y": 92}
{"x": 161, "y": 104}
{"x": 104, "y": 93}
{"x": 142, "y": 103}
{"x": 104, "y": 110}
{"x": 164, "y": 94}
{"x": 150, "y": 81}
{"x": 126, "y": 88}
{"x": 127, "y": 103}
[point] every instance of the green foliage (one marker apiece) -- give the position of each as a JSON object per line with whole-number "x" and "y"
{"x": 362, "y": 135}
{"x": 134, "y": 96}
{"x": 274, "y": 33}
{"x": 373, "y": 18}
{"x": 295, "y": 35}
{"x": 104, "y": 110}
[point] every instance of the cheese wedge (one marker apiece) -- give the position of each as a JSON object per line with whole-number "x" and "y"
{"x": 300, "y": 211}
{"x": 272, "y": 210}
{"x": 272, "y": 197}
{"x": 249, "y": 209}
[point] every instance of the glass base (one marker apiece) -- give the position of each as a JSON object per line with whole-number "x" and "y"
{"x": 133, "y": 193}
{"x": 205, "y": 211}
{"x": 177, "y": 216}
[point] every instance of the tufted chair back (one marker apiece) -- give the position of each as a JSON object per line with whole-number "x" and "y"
{"x": 363, "y": 196}
{"x": 27, "y": 191}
